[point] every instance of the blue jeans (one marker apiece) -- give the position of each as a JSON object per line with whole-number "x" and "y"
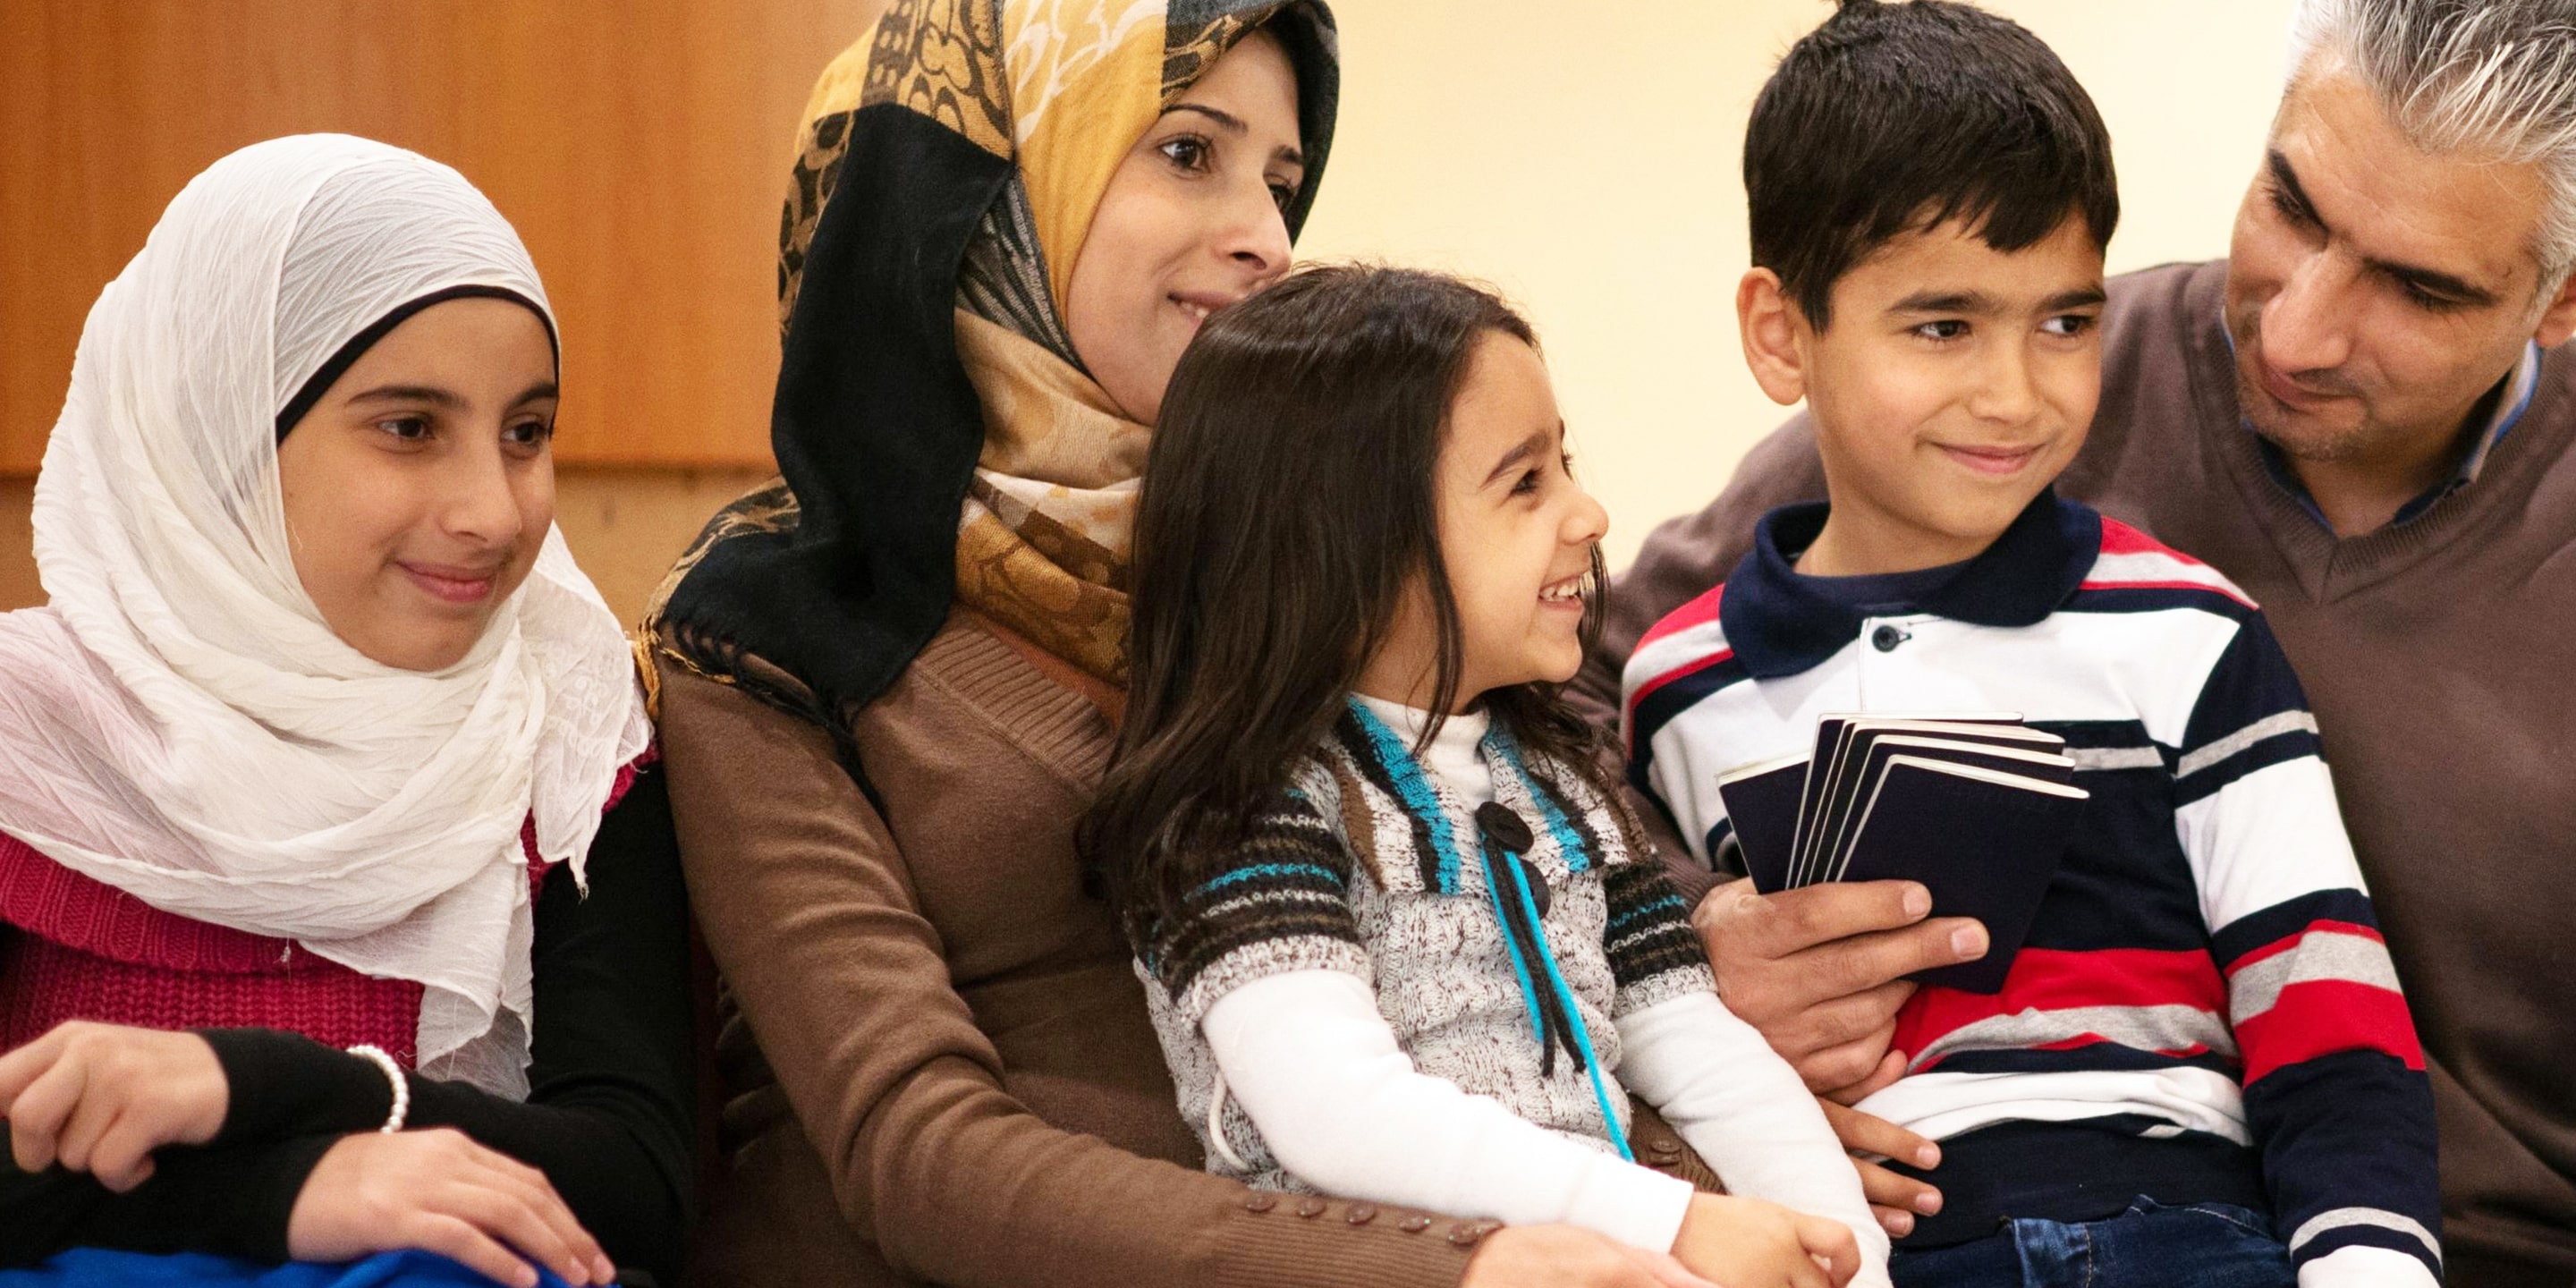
{"x": 2206, "y": 1245}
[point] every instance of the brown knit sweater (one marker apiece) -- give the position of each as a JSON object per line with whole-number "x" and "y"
{"x": 955, "y": 1023}
{"x": 2440, "y": 658}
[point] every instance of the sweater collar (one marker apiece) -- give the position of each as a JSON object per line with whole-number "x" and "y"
{"x": 1780, "y": 622}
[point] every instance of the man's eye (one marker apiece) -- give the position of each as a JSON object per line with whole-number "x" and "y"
{"x": 2290, "y": 209}
{"x": 2426, "y": 300}
{"x": 1945, "y": 329}
{"x": 1188, "y": 151}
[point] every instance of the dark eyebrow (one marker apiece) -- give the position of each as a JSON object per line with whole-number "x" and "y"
{"x": 1945, "y": 302}
{"x": 1232, "y": 124}
{"x": 448, "y": 399}
{"x": 1523, "y": 451}
{"x": 430, "y": 394}
{"x": 2434, "y": 283}
{"x": 2430, "y": 281}
{"x": 2286, "y": 180}
{"x": 2083, "y": 297}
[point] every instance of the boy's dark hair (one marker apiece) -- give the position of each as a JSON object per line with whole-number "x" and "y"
{"x": 1895, "y": 117}
{"x": 1289, "y": 498}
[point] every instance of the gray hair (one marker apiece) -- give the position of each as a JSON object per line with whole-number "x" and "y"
{"x": 2492, "y": 77}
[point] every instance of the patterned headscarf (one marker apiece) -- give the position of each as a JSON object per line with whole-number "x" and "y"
{"x": 938, "y": 439}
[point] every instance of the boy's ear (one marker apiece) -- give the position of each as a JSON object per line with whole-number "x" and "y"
{"x": 2558, "y": 321}
{"x": 1770, "y": 325}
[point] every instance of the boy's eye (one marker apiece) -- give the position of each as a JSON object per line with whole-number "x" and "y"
{"x": 1945, "y": 329}
{"x": 1188, "y": 151}
{"x": 2068, "y": 324}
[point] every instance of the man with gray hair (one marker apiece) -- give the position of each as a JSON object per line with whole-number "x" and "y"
{"x": 2366, "y": 417}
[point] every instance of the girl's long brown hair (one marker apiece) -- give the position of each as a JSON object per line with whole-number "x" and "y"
{"x": 1289, "y": 495}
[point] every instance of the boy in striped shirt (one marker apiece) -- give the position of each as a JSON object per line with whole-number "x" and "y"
{"x": 2200, "y": 1068}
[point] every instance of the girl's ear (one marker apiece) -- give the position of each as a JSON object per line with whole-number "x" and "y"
{"x": 1771, "y": 326}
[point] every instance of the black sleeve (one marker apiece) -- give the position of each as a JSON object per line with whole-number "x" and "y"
{"x": 231, "y": 1201}
{"x": 608, "y": 1116}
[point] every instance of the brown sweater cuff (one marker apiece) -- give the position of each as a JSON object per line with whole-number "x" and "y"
{"x": 1299, "y": 1241}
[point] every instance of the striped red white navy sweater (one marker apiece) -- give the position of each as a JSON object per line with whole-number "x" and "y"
{"x": 2203, "y": 1010}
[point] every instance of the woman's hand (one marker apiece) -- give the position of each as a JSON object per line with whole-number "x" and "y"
{"x": 1747, "y": 1243}
{"x": 1565, "y": 1256}
{"x": 1894, "y": 1198}
{"x": 99, "y": 1098}
{"x": 439, "y": 1191}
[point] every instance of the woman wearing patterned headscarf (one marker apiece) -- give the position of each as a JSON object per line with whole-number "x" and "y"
{"x": 887, "y": 682}
{"x": 304, "y": 761}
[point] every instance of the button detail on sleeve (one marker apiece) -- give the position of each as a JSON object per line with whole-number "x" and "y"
{"x": 1414, "y": 1224}
{"x": 1310, "y": 1208}
{"x": 1465, "y": 1234}
{"x": 1260, "y": 1202}
{"x": 1886, "y": 638}
{"x": 1361, "y": 1213}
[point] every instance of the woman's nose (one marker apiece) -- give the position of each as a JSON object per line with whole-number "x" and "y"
{"x": 1254, "y": 233}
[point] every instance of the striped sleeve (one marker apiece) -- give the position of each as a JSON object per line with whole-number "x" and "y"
{"x": 1280, "y": 902}
{"x": 2335, "y": 1090}
{"x": 1654, "y": 954}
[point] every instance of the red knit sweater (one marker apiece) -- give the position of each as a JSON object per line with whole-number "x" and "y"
{"x": 90, "y": 951}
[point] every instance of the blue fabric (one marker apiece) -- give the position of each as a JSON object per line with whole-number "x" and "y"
{"x": 103, "y": 1268}
{"x": 2206, "y": 1245}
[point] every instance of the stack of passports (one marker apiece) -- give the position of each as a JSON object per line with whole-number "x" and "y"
{"x": 1978, "y": 807}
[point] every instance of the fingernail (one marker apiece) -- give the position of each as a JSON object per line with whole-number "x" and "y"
{"x": 526, "y": 1278}
{"x": 1928, "y": 1157}
{"x": 1918, "y": 901}
{"x": 1969, "y": 942}
{"x": 607, "y": 1270}
{"x": 1898, "y": 1223}
{"x": 1927, "y": 1204}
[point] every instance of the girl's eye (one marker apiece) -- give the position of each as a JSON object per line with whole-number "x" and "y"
{"x": 528, "y": 433}
{"x": 1527, "y": 483}
{"x": 1188, "y": 151}
{"x": 409, "y": 429}
{"x": 1945, "y": 329}
{"x": 2068, "y": 325}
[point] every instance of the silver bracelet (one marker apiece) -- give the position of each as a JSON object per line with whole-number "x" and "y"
{"x": 394, "y": 1075}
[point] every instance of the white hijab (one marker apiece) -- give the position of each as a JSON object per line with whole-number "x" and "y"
{"x": 179, "y": 723}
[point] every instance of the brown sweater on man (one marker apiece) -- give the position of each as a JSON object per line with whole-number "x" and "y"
{"x": 954, "y": 1079}
{"x": 2440, "y": 658}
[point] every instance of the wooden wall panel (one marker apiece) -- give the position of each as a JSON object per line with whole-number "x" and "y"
{"x": 640, "y": 146}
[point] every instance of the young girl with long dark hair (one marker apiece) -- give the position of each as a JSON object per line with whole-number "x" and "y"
{"x": 1403, "y": 940}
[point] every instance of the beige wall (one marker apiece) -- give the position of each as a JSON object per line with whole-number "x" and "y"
{"x": 1592, "y": 168}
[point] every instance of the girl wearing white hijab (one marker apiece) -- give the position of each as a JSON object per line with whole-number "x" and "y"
{"x": 308, "y": 754}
